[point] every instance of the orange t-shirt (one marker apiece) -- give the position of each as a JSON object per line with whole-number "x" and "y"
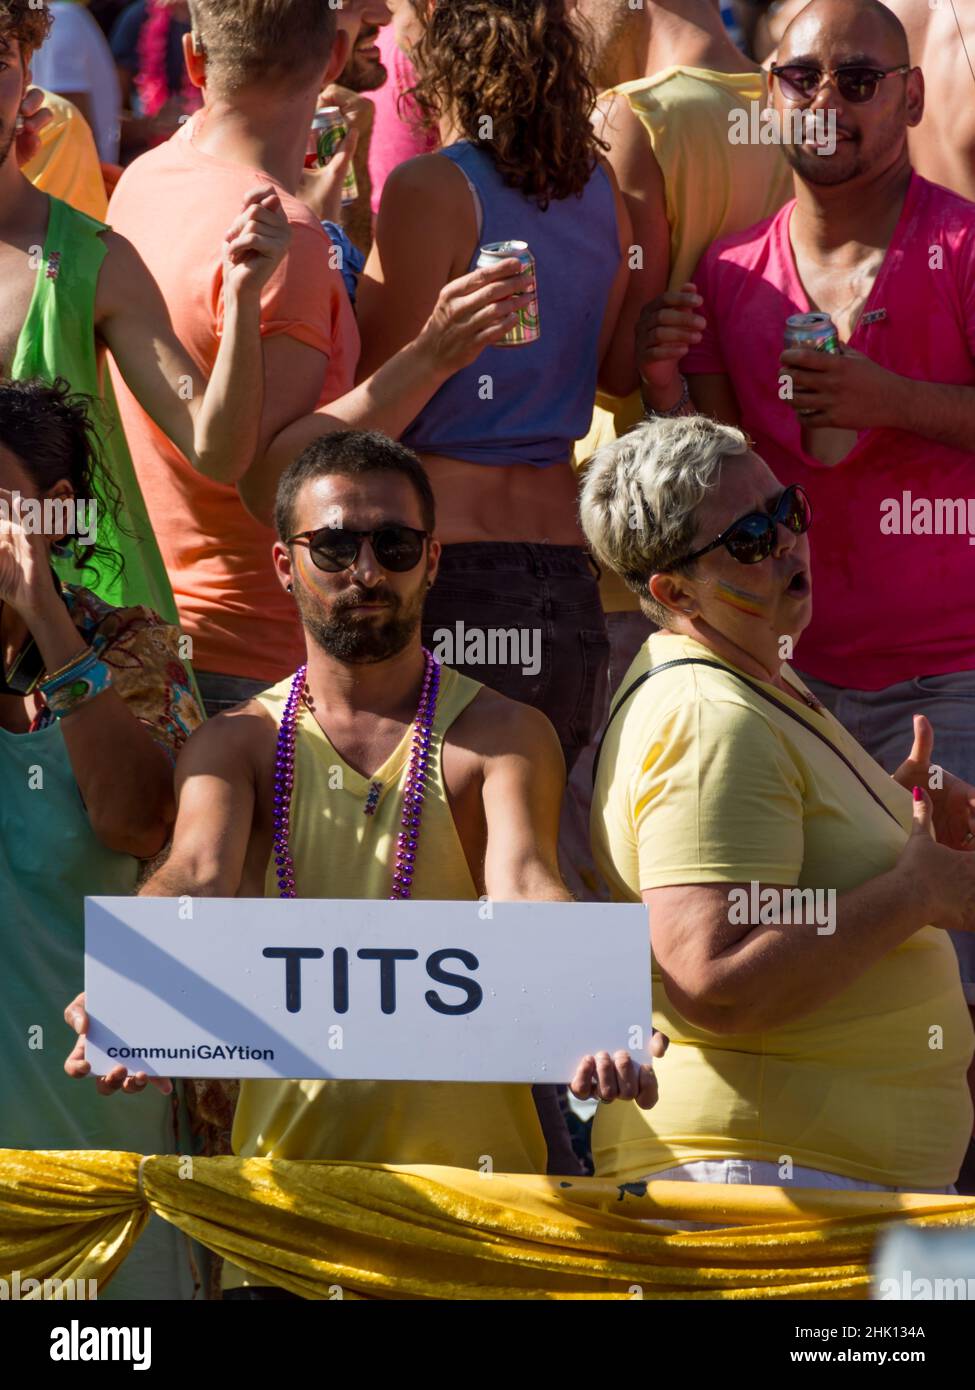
{"x": 175, "y": 204}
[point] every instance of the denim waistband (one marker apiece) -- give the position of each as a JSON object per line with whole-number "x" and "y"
{"x": 515, "y": 557}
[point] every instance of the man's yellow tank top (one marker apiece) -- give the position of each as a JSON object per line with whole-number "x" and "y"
{"x": 713, "y": 187}
{"x": 341, "y": 852}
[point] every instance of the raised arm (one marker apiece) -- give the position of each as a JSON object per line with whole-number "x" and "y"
{"x": 668, "y": 327}
{"x": 469, "y": 314}
{"x": 215, "y": 424}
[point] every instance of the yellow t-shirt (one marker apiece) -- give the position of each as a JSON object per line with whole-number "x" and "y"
{"x": 703, "y": 781}
{"x": 339, "y": 852}
{"x": 712, "y": 188}
{"x": 67, "y": 166}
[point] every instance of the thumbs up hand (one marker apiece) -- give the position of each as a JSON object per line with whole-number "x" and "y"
{"x": 952, "y": 800}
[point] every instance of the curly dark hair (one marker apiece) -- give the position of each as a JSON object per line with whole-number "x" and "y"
{"x": 53, "y": 434}
{"x": 29, "y": 23}
{"x": 523, "y": 64}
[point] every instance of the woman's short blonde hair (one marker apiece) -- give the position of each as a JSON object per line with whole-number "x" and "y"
{"x": 640, "y": 495}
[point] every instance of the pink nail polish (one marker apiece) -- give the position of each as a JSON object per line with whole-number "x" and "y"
{"x": 918, "y": 794}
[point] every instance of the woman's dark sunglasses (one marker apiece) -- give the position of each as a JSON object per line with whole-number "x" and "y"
{"x": 855, "y": 82}
{"x": 752, "y": 538}
{"x": 397, "y": 548}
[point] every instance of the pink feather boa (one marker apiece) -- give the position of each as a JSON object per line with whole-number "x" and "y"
{"x": 152, "y": 81}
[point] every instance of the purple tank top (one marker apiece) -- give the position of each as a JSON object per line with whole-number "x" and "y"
{"x": 528, "y": 404}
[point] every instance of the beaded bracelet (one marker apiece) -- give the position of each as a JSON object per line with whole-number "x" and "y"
{"x": 75, "y": 684}
{"x": 683, "y": 407}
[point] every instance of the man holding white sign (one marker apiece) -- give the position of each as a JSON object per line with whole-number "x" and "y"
{"x": 278, "y": 798}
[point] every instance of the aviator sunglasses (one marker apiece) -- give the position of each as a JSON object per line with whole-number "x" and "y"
{"x": 397, "y": 548}
{"x": 855, "y": 82}
{"x": 752, "y": 538}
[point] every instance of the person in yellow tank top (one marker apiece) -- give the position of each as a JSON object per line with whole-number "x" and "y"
{"x": 799, "y": 900}
{"x": 670, "y": 78}
{"x": 360, "y": 709}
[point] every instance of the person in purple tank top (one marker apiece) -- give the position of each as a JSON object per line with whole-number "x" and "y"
{"x": 516, "y": 603}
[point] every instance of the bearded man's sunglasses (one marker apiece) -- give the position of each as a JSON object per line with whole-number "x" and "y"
{"x": 397, "y": 548}
{"x": 752, "y": 537}
{"x": 855, "y": 82}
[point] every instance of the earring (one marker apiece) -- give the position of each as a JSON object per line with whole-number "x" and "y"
{"x": 290, "y": 588}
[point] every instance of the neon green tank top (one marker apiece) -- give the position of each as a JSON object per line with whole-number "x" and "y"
{"x": 58, "y": 340}
{"x": 340, "y": 852}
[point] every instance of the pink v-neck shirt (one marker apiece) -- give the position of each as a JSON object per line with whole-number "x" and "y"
{"x": 887, "y": 607}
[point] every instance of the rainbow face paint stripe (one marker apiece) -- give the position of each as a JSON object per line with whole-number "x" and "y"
{"x": 311, "y": 576}
{"x": 741, "y": 599}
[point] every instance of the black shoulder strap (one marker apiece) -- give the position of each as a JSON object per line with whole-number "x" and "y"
{"x": 719, "y": 666}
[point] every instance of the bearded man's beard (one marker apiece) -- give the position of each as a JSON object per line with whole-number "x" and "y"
{"x": 363, "y": 74}
{"x": 361, "y": 639}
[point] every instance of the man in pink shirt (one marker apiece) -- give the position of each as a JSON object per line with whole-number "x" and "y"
{"x": 891, "y": 258}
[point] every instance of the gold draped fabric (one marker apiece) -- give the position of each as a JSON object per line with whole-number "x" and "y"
{"x": 361, "y": 1230}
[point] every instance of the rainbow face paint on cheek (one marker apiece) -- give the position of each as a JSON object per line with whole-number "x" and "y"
{"x": 311, "y": 576}
{"x": 741, "y": 599}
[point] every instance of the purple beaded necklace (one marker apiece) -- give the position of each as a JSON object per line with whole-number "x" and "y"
{"x": 284, "y": 779}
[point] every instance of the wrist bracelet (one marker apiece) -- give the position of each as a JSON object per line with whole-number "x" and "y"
{"x": 52, "y": 676}
{"x": 84, "y": 687}
{"x": 681, "y": 407}
{"x": 76, "y": 684}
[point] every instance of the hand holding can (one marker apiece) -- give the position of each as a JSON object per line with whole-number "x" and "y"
{"x": 527, "y": 329}
{"x": 328, "y": 130}
{"x": 826, "y": 443}
{"x": 475, "y": 311}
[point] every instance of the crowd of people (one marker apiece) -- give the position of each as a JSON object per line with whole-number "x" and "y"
{"x": 326, "y": 438}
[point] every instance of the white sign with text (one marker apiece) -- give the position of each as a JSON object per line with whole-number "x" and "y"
{"x": 350, "y": 989}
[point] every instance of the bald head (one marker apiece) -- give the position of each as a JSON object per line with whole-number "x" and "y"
{"x": 872, "y": 114}
{"x": 869, "y": 30}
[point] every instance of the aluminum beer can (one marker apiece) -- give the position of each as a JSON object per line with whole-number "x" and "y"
{"x": 527, "y": 329}
{"x": 815, "y": 331}
{"x": 328, "y": 130}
